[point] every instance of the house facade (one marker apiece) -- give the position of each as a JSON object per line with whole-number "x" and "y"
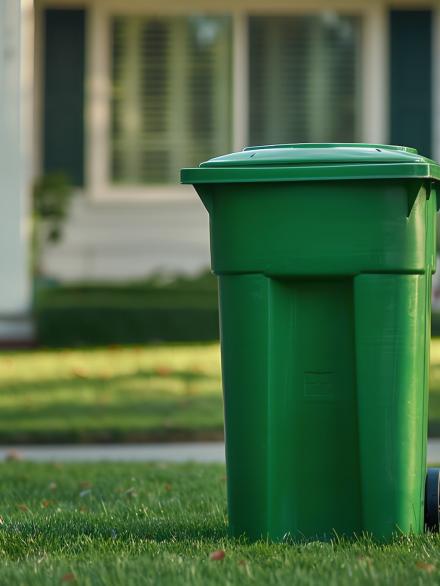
{"x": 127, "y": 92}
{"x": 119, "y": 94}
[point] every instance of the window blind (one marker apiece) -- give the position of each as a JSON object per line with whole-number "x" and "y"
{"x": 171, "y": 95}
{"x": 304, "y": 82}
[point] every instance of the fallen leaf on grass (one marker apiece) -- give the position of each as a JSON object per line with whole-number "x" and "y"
{"x": 80, "y": 372}
{"x": 217, "y": 555}
{"x": 45, "y": 503}
{"x": 69, "y": 577}
{"x": 23, "y": 507}
{"x": 13, "y": 456}
{"x": 426, "y": 567}
{"x": 163, "y": 370}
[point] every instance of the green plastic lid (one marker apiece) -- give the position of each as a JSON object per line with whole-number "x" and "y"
{"x": 311, "y": 161}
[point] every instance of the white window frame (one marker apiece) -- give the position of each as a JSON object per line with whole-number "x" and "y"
{"x": 374, "y": 77}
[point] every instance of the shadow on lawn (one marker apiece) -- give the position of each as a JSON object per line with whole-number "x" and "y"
{"x": 81, "y": 377}
{"x": 148, "y": 405}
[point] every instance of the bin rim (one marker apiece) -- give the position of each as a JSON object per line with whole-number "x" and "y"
{"x": 314, "y": 162}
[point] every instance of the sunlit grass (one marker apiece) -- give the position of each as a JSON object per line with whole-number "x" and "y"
{"x": 129, "y": 524}
{"x": 125, "y": 394}
{"x": 115, "y": 393}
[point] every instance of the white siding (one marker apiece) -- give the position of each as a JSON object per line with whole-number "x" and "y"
{"x": 130, "y": 240}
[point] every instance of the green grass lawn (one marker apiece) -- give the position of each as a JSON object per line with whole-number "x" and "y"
{"x": 145, "y": 393}
{"x": 157, "y": 393}
{"x": 102, "y": 524}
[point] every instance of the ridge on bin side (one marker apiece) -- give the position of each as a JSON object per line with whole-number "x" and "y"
{"x": 314, "y": 162}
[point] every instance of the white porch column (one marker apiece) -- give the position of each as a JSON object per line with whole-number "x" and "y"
{"x": 375, "y": 126}
{"x": 16, "y": 66}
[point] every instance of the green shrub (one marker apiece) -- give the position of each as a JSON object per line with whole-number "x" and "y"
{"x": 181, "y": 309}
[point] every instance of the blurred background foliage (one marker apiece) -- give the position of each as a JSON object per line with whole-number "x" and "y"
{"x": 51, "y": 196}
{"x": 159, "y": 308}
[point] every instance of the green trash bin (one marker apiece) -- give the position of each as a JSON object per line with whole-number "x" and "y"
{"x": 325, "y": 255}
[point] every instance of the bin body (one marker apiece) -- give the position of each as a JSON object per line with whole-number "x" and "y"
{"x": 325, "y": 296}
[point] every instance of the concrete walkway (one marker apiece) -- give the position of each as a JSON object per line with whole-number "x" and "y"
{"x": 181, "y": 452}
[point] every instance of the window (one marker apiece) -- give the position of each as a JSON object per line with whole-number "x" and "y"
{"x": 166, "y": 91}
{"x": 171, "y": 95}
{"x": 304, "y": 78}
